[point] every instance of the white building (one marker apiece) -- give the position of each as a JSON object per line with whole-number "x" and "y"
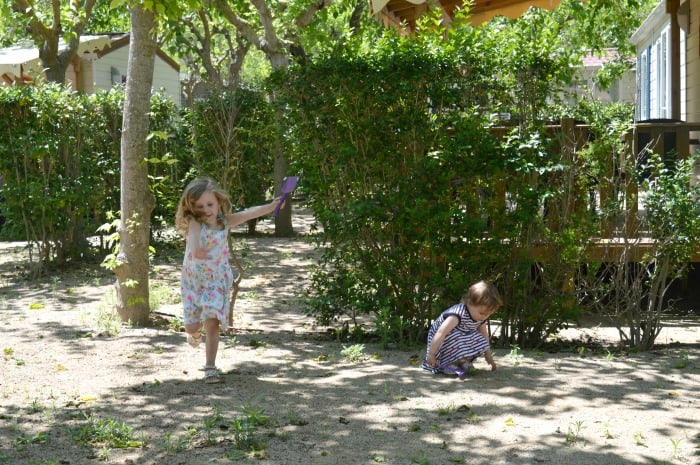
{"x": 101, "y": 63}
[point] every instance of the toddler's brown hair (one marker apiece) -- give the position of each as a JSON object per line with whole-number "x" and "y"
{"x": 483, "y": 294}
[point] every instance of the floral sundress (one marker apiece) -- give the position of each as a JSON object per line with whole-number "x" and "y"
{"x": 206, "y": 283}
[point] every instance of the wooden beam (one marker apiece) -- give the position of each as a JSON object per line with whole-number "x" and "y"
{"x": 675, "y": 36}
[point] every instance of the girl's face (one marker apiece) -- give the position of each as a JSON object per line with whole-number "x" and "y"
{"x": 479, "y": 312}
{"x": 208, "y": 206}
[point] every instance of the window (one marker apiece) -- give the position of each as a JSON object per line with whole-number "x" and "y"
{"x": 662, "y": 76}
{"x": 643, "y": 84}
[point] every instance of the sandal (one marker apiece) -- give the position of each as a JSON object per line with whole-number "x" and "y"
{"x": 194, "y": 340}
{"x": 211, "y": 374}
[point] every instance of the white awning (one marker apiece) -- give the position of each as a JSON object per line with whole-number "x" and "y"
{"x": 23, "y": 58}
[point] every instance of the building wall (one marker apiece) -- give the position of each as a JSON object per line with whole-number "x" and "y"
{"x": 653, "y": 43}
{"x": 110, "y": 69}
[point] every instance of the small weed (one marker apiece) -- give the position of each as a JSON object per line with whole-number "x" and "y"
{"x": 251, "y": 295}
{"x": 682, "y": 362}
{"x": 639, "y": 439}
{"x": 35, "y": 407}
{"x": 106, "y": 319}
{"x": 573, "y": 433}
{"x": 211, "y": 424}
{"x": 606, "y": 430}
{"x": 103, "y": 454}
{"x": 175, "y": 444}
{"x": 138, "y": 355}
{"x": 293, "y": 418}
{"x": 256, "y": 343}
{"x": 447, "y": 409}
{"x": 609, "y": 356}
{"x": 514, "y": 354}
{"x": 40, "y": 438}
{"x": 473, "y": 418}
{"x": 255, "y": 416}
{"x": 108, "y": 433}
{"x": 421, "y": 459}
{"x": 676, "y": 454}
{"x": 354, "y": 353}
{"x": 158, "y": 296}
{"x": 176, "y": 324}
{"x": 243, "y": 432}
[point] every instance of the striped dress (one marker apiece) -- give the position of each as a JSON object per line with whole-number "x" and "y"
{"x": 464, "y": 340}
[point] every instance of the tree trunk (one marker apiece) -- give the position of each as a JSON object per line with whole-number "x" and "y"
{"x": 283, "y": 221}
{"x": 54, "y": 68}
{"x": 55, "y": 64}
{"x": 136, "y": 200}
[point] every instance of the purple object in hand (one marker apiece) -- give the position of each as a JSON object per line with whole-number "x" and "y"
{"x": 287, "y": 187}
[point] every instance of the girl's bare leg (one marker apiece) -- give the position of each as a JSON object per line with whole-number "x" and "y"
{"x": 194, "y": 334}
{"x": 211, "y": 343}
{"x": 194, "y": 328}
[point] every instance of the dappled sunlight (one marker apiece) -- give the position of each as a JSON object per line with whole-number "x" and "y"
{"x": 575, "y": 407}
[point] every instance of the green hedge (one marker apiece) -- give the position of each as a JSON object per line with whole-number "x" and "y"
{"x": 393, "y": 147}
{"x": 59, "y": 160}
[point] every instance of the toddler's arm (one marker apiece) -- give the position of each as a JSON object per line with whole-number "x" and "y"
{"x": 234, "y": 219}
{"x": 194, "y": 236}
{"x": 487, "y": 355}
{"x": 448, "y": 325}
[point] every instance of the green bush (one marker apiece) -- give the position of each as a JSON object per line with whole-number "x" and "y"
{"x": 60, "y": 165}
{"x": 55, "y": 177}
{"x": 399, "y": 170}
{"x": 402, "y": 172}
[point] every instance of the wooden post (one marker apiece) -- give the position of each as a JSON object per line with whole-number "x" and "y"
{"x": 631, "y": 188}
{"x": 675, "y": 33}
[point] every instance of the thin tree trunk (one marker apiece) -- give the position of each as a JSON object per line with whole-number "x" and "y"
{"x": 136, "y": 200}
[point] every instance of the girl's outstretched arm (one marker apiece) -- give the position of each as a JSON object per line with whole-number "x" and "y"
{"x": 234, "y": 219}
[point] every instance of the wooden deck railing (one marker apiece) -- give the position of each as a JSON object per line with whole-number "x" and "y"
{"x": 671, "y": 139}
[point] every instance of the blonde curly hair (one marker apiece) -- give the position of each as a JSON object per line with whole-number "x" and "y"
{"x": 186, "y": 211}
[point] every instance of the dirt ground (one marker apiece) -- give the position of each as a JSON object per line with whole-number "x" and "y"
{"x": 308, "y": 402}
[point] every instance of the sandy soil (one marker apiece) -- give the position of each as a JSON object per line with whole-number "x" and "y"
{"x": 60, "y": 375}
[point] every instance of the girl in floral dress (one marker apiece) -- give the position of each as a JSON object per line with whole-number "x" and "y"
{"x": 204, "y": 218}
{"x": 459, "y": 335}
